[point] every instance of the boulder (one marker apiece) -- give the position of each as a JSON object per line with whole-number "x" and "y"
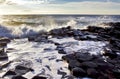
{"x": 92, "y": 73}
{"x": 69, "y": 57}
{"x": 81, "y": 57}
{"x": 78, "y": 72}
{"x": 62, "y": 32}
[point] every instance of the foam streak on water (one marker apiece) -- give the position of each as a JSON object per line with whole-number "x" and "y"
{"x": 32, "y": 54}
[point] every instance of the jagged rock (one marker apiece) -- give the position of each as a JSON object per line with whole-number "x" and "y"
{"x": 21, "y": 70}
{"x": 18, "y": 77}
{"x": 78, "y": 72}
{"x": 5, "y": 65}
{"x": 95, "y": 29}
{"x": 8, "y": 73}
{"x": 61, "y": 32}
{"x": 39, "y": 77}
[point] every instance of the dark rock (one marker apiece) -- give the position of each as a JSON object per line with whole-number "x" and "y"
{"x": 41, "y": 39}
{"x": 61, "y": 32}
{"x": 102, "y": 77}
{"x": 3, "y": 55}
{"x": 116, "y": 73}
{"x": 77, "y": 32}
{"x": 3, "y": 44}
{"x": 114, "y": 24}
{"x": 109, "y": 53}
{"x": 103, "y": 66}
{"x": 4, "y": 39}
{"x": 56, "y": 44}
{"x": 18, "y": 77}
{"x": 112, "y": 61}
{"x": 62, "y": 51}
{"x": 92, "y": 73}
{"x": 39, "y": 77}
{"x": 48, "y": 49}
{"x": 61, "y": 73}
{"x": 83, "y": 56}
{"x": 31, "y": 38}
{"x": 89, "y": 64}
{"x": 99, "y": 59}
{"x": 73, "y": 64}
{"x": 58, "y": 60}
{"x": 69, "y": 77}
{"x": 8, "y": 73}
{"x": 5, "y": 65}
{"x": 59, "y": 47}
{"x": 48, "y": 67}
{"x": 78, "y": 72}
{"x": 2, "y": 50}
{"x": 9, "y": 50}
{"x": 21, "y": 70}
{"x": 69, "y": 57}
{"x": 95, "y": 29}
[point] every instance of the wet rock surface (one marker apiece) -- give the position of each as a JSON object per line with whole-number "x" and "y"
{"x": 99, "y": 67}
{"x": 81, "y": 63}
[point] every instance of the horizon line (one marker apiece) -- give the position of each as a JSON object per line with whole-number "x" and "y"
{"x": 59, "y": 14}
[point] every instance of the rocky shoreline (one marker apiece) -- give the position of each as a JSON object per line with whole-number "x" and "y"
{"x": 81, "y": 63}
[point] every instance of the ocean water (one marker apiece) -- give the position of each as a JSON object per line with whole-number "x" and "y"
{"x": 33, "y": 55}
{"x": 25, "y": 25}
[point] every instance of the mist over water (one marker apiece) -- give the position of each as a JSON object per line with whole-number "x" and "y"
{"x": 25, "y": 25}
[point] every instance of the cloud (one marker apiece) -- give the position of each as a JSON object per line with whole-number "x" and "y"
{"x": 85, "y": 7}
{"x": 25, "y": 2}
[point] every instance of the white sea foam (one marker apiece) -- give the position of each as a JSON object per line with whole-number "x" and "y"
{"x": 32, "y": 54}
{"x": 22, "y": 26}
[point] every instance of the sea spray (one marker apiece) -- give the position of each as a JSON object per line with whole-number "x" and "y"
{"x": 25, "y": 25}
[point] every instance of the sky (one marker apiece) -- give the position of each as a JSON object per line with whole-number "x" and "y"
{"x": 60, "y": 7}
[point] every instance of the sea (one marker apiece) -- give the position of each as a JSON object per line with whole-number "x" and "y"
{"x": 25, "y": 25}
{"x": 34, "y": 54}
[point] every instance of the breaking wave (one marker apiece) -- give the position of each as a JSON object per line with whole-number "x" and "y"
{"x": 25, "y": 25}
